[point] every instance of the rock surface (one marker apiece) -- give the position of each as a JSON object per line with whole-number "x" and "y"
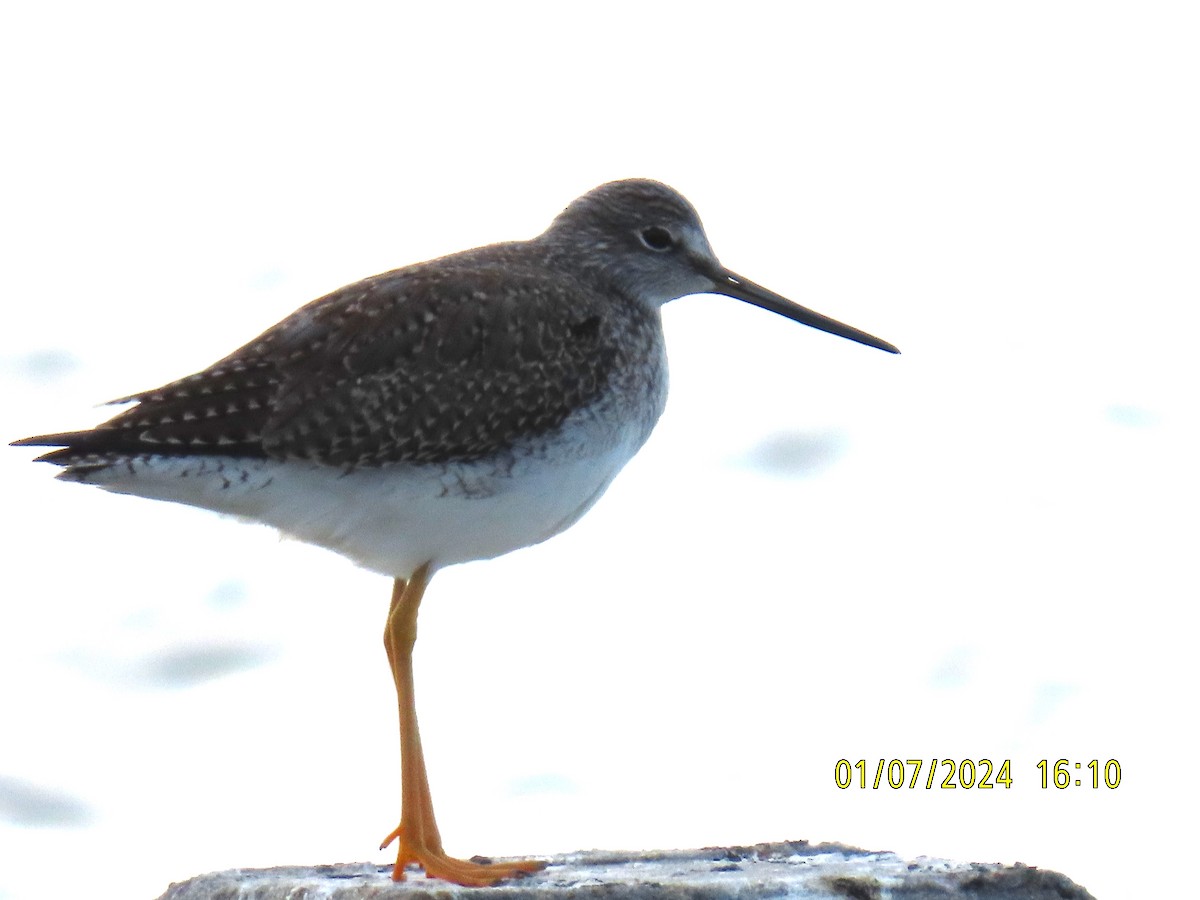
{"x": 793, "y": 869}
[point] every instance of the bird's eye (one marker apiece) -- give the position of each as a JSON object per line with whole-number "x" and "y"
{"x": 657, "y": 238}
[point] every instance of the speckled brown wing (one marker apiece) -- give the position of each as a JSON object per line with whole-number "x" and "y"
{"x": 419, "y": 365}
{"x": 452, "y": 365}
{"x": 221, "y": 410}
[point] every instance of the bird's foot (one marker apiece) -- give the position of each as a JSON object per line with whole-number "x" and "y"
{"x": 437, "y": 864}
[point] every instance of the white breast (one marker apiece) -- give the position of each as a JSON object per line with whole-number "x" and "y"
{"x": 393, "y": 519}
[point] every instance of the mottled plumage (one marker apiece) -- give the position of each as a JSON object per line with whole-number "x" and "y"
{"x": 524, "y": 373}
{"x": 451, "y": 360}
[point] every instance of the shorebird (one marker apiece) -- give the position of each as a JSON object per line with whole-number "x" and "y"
{"x": 448, "y": 411}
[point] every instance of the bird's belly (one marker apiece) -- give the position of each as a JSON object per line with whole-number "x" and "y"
{"x": 393, "y": 519}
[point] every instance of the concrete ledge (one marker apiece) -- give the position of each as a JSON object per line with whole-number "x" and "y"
{"x": 793, "y": 869}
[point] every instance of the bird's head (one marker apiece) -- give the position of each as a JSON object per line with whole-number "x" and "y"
{"x": 646, "y": 240}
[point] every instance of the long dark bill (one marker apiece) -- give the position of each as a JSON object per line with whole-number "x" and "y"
{"x": 733, "y": 285}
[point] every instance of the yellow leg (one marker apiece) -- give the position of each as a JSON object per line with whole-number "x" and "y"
{"x": 420, "y": 841}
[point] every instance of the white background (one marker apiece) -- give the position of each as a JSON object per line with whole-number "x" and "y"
{"x": 985, "y": 547}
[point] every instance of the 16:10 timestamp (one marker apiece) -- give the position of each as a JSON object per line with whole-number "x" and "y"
{"x": 1062, "y": 773}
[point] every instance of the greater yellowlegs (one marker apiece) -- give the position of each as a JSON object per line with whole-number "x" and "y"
{"x": 452, "y": 410}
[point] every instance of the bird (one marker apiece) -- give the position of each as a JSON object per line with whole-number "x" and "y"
{"x": 448, "y": 411}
